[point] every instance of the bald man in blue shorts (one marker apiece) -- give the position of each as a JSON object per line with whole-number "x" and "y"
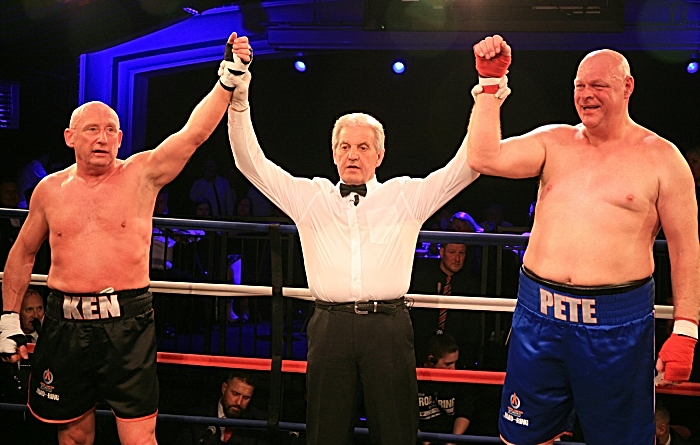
{"x": 583, "y": 328}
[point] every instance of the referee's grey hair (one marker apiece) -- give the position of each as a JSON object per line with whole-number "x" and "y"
{"x": 359, "y": 120}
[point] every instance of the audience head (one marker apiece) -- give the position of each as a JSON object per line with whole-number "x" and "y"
{"x": 443, "y": 352}
{"x": 662, "y": 418}
{"x": 693, "y": 158}
{"x": 452, "y": 257}
{"x": 463, "y": 222}
{"x": 244, "y": 207}
{"x": 9, "y": 194}
{"x": 32, "y": 309}
{"x": 494, "y": 215}
{"x": 236, "y": 393}
{"x": 202, "y": 207}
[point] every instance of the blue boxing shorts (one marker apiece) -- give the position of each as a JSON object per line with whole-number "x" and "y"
{"x": 588, "y": 350}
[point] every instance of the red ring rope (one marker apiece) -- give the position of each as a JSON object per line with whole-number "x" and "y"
{"x": 435, "y": 375}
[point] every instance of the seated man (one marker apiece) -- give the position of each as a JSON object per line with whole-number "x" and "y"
{"x": 20, "y": 426}
{"x": 14, "y": 377}
{"x": 236, "y": 393}
{"x": 446, "y": 278}
{"x": 665, "y": 433}
{"x": 444, "y": 407}
{"x": 31, "y": 314}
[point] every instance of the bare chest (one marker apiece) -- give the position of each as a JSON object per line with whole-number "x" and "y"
{"x": 112, "y": 208}
{"x": 580, "y": 176}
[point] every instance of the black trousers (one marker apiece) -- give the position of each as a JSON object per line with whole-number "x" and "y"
{"x": 376, "y": 349}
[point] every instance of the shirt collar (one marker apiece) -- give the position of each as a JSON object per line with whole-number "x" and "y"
{"x": 220, "y": 411}
{"x": 372, "y": 185}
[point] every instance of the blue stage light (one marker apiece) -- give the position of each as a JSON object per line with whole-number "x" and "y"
{"x": 300, "y": 66}
{"x": 190, "y": 10}
{"x": 692, "y": 67}
{"x": 398, "y": 67}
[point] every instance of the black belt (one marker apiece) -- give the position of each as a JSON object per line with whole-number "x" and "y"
{"x": 131, "y": 304}
{"x": 587, "y": 291}
{"x": 363, "y": 307}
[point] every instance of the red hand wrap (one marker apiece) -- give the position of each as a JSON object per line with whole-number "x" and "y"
{"x": 490, "y": 89}
{"x": 494, "y": 67}
{"x": 677, "y": 355}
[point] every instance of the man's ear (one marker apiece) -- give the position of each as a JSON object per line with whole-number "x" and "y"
{"x": 68, "y": 136}
{"x": 223, "y": 387}
{"x": 629, "y": 86}
{"x": 380, "y": 158}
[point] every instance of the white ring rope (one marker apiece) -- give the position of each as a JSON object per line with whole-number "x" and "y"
{"x": 425, "y": 301}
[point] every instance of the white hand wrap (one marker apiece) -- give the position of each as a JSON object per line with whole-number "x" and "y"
{"x": 229, "y": 70}
{"x": 239, "y": 98}
{"x": 11, "y": 335}
{"x": 502, "y": 82}
{"x": 685, "y": 327}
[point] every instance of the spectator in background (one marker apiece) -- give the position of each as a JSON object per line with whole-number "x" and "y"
{"x": 29, "y": 176}
{"x": 446, "y": 278}
{"x": 22, "y": 427}
{"x": 202, "y": 207}
{"x": 9, "y": 227}
{"x": 494, "y": 219}
{"x": 236, "y": 394}
{"x": 665, "y": 433}
{"x": 162, "y": 242}
{"x": 215, "y": 189}
{"x": 31, "y": 314}
{"x": 9, "y": 194}
{"x": 261, "y": 205}
{"x": 693, "y": 158}
{"x": 440, "y": 221}
{"x": 463, "y": 222}
{"x": 244, "y": 207}
{"x": 444, "y": 407}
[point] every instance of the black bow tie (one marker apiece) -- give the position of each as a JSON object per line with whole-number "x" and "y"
{"x": 345, "y": 189}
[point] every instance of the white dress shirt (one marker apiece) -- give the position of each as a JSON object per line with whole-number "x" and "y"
{"x": 351, "y": 253}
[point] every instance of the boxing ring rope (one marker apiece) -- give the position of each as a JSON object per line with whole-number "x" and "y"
{"x": 292, "y": 427}
{"x": 277, "y": 292}
{"x": 297, "y": 366}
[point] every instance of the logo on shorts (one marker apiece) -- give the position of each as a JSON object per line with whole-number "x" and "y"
{"x": 513, "y": 414}
{"x": 566, "y": 308}
{"x": 514, "y": 401}
{"x": 98, "y": 307}
{"x": 48, "y": 377}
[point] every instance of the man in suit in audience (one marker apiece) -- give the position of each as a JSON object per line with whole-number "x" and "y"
{"x": 446, "y": 278}
{"x": 236, "y": 394}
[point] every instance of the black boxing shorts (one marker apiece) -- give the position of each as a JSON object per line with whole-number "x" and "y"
{"x": 95, "y": 347}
